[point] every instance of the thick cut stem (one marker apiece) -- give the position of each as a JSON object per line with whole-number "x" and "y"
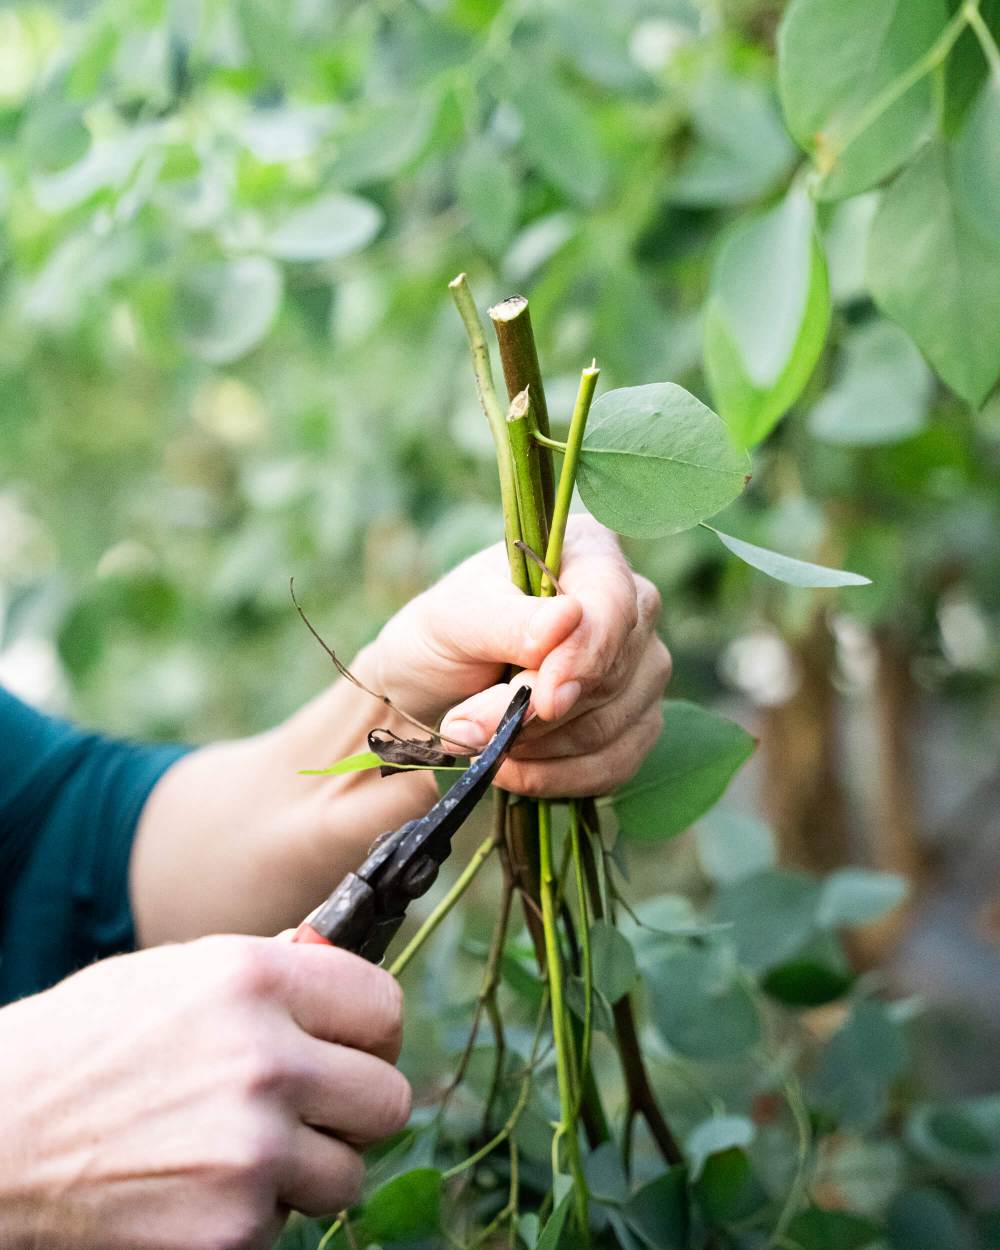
{"x": 519, "y": 359}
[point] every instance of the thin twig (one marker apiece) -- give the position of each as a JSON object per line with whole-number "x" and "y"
{"x": 533, "y": 555}
{"x": 346, "y": 673}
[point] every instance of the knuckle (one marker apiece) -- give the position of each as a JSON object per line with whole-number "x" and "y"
{"x": 245, "y": 966}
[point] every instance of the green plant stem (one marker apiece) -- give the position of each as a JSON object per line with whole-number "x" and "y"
{"x": 466, "y": 305}
{"x": 519, "y": 359}
{"x": 530, "y": 500}
{"x": 985, "y": 37}
{"x": 585, "y": 951}
{"x": 567, "y": 475}
{"x": 567, "y": 1100}
{"x": 433, "y": 921}
{"x": 899, "y": 86}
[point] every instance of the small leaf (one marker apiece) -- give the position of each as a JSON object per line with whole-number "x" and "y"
{"x": 225, "y": 308}
{"x": 727, "y": 1191}
{"x": 767, "y": 317}
{"x": 605, "y": 1174}
{"x": 658, "y": 1211}
{"x": 720, "y": 1132}
{"x": 732, "y": 845}
{"x": 615, "y": 970}
{"x": 655, "y": 461}
{"x": 698, "y": 1003}
{"x": 559, "y": 136}
{"x": 881, "y": 392}
{"x": 404, "y": 1208}
{"x": 932, "y": 271}
{"x": 53, "y": 135}
{"x": 385, "y": 140}
{"x": 806, "y": 982}
{"x": 774, "y": 914}
{"x": 977, "y": 162}
{"x": 853, "y": 896}
{"x": 600, "y": 1009}
{"x": 961, "y": 1136}
{"x": 924, "y": 1219}
{"x": 785, "y": 568}
{"x": 489, "y": 195}
{"x": 815, "y": 1229}
{"x": 552, "y": 1232}
{"x": 835, "y": 57}
{"x": 856, "y": 1069}
{"x": 687, "y": 769}
{"x": 329, "y": 227}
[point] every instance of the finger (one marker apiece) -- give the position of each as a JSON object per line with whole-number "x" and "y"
{"x": 490, "y": 620}
{"x": 607, "y": 720}
{"x": 583, "y": 775}
{"x": 339, "y": 997}
{"x": 614, "y": 602}
{"x": 352, "y": 1094}
{"x": 475, "y": 720}
{"x": 323, "y": 1175}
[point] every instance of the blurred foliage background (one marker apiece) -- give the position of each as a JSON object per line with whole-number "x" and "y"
{"x": 227, "y": 356}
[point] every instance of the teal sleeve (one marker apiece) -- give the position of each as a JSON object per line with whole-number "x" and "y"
{"x": 70, "y": 802}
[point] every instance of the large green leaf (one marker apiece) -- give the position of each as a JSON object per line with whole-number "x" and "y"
{"x": 786, "y": 569}
{"x": 932, "y": 271}
{"x": 732, "y": 845}
{"x": 658, "y": 1211}
{"x": 698, "y": 1002}
{"x": 408, "y": 1207}
{"x": 225, "y": 308}
{"x": 559, "y": 136}
{"x": 977, "y": 162}
{"x": 385, "y": 139}
{"x": 728, "y": 1191}
{"x": 330, "y": 226}
{"x": 687, "y": 769}
{"x": 655, "y": 461}
{"x": 835, "y": 58}
{"x": 767, "y": 316}
{"x": 881, "y": 393}
{"x": 773, "y": 913}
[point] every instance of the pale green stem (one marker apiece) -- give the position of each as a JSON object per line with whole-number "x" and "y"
{"x": 587, "y": 963}
{"x": 567, "y": 1100}
{"x": 567, "y": 475}
{"x": 985, "y": 37}
{"x": 466, "y": 306}
{"x": 433, "y": 921}
{"x": 528, "y": 483}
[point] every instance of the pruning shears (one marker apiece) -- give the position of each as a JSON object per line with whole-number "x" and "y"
{"x": 364, "y": 912}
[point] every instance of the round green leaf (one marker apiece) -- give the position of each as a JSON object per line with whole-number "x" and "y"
{"x": 225, "y": 308}
{"x": 559, "y": 136}
{"x": 53, "y": 136}
{"x": 719, "y": 1132}
{"x": 698, "y": 1004}
{"x": 404, "y": 1208}
{"x": 835, "y": 57}
{"x": 767, "y": 317}
{"x": 488, "y": 194}
{"x": 773, "y": 914}
{"x": 331, "y": 226}
{"x": 852, "y": 896}
{"x": 655, "y": 461}
{"x": 728, "y": 1191}
{"x": 732, "y": 845}
{"x": 687, "y": 769}
{"x": 658, "y": 1212}
{"x": 924, "y": 1219}
{"x": 786, "y": 569}
{"x": 614, "y": 964}
{"x": 858, "y": 1065}
{"x": 806, "y": 982}
{"x": 881, "y": 392}
{"x": 932, "y": 271}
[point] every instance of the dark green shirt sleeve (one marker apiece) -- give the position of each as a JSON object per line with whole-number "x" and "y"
{"x": 70, "y": 802}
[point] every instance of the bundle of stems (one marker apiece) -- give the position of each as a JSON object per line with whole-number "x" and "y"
{"x": 536, "y": 509}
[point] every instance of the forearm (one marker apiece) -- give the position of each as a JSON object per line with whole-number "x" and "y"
{"x": 233, "y": 839}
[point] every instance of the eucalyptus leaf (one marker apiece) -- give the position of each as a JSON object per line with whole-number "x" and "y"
{"x": 687, "y": 769}
{"x": 773, "y": 913}
{"x": 615, "y": 970}
{"x": 559, "y": 138}
{"x": 225, "y": 308}
{"x": 881, "y": 392}
{"x": 719, "y": 1132}
{"x": 858, "y": 1065}
{"x": 853, "y": 896}
{"x": 698, "y": 1003}
{"x": 977, "y": 163}
{"x": 732, "y": 844}
{"x": 328, "y": 227}
{"x": 551, "y": 1236}
{"x": 926, "y": 1219}
{"x": 605, "y": 1174}
{"x": 655, "y": 461}
{"x": 815, "y": 1229}
{"x": 601, "y": 1015}
{"x": 785, "y": 568}
{"x": 659, "y": 1211}
{"x": 835, "y": 59}
{"x": 406, "y": 1207}
{"x": 931, "y": 270}
{"x": 728, "y": 1191}
{"x": 767, "y": 316}
{"x": 488, "y": 194}
{"x": 962, "y": 1136}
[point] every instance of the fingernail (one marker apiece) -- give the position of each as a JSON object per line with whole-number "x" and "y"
{"x": 466, "y": 732}
{"x": 565, "y": 696}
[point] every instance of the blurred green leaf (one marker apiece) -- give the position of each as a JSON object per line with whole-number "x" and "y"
{"x": 881, "y": 393}
{"x": 720, "y": 1132}
{"x": 559, "y": 137}
{"x": 615, "y": 970}
{"x": 858, "y": 1065}
{"x": 225, "y": 308}
{"x": 732, "y": 844}
{"x": 727, "y": 1191}
{"x": 686, "y": 770}
{"x": 767, "y": 316}
{"x": 405, "y": 1208}
{"x": 601, "y": 1014}
{"x": 488, "y": 194}
{"x": 853, "y": 896}
{"x": 658, "y": 1211}
{"x": 815, "y": 1229}
{"x": 932, "y": 271}
{"x": 605, "y": 1173}
{"x": 698, "y": 1003}
{"x": 835, "y": 59}
{"x": 806, "y": 982}
{"x": 962, "y": 1136}
{"x": 552, "y": 1234}
{"x": 655, "y": 460}
{"x": 977, "y": 163}
{"x": 53, "y": 135}
{"x": 924, "y": 1219}
{"x": 773, "y": 913}
{"x": 328, "y": 227}
{"x": 785, "y": 568}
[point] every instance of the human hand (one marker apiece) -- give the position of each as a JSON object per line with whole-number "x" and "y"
{"x": 184, "y": 1098}
{"x": 592, "y": 656}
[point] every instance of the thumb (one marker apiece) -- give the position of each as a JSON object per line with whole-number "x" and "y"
{"x": 498, "y": 626}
